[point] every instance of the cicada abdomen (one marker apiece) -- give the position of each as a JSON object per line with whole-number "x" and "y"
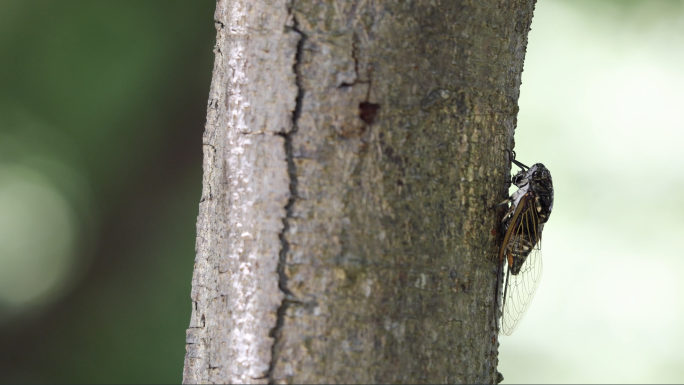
{"x": 520, "y": 254}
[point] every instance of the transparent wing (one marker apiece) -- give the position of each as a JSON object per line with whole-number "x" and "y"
{"x": 519, "y": 291}
{"x": 519, "y": 288}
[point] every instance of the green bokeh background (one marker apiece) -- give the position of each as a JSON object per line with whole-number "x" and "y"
{"x": 106, "y": 101}
{"x": 102, "y": 106}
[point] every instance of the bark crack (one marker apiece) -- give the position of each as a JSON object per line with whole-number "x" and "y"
{"x": 357, "y": 80}
{"x": 276, "y": 332}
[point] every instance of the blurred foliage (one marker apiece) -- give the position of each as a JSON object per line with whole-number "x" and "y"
{"x": 600, "y": 106}
{"x": 107, "y": 100}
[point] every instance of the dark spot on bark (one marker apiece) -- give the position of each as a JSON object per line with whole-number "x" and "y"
{"x": 429, "y": 100}
{"x": 367, "y": 111}
{"x": 389, "y": 152}
{"x": 518, "y": 26}
{"x": 461, "y": 106}
{"x": 403, "y": 276}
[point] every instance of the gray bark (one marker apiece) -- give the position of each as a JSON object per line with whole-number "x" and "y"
{"x": 351, "y": 154}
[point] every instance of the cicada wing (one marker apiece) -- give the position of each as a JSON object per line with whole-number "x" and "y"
{"x": 521, "y": 282}
{"x": 519, "y": 291}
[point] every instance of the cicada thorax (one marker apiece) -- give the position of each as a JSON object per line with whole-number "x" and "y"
{"x": 531, "y": 205}
{"x": 541, "y": 185}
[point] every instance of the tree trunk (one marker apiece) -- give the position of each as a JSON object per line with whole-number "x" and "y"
{"x": 352, "y": 152}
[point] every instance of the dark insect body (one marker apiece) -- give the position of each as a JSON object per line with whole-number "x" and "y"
{"x": 520, "y": 254}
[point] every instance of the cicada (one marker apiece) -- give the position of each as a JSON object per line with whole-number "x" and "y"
{"x": 520, "y": 255}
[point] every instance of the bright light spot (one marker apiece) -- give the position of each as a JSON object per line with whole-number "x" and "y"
{"x": 37, "y": 237}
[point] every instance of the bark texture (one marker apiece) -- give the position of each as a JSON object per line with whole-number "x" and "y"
{"x": 351, "y": 154}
